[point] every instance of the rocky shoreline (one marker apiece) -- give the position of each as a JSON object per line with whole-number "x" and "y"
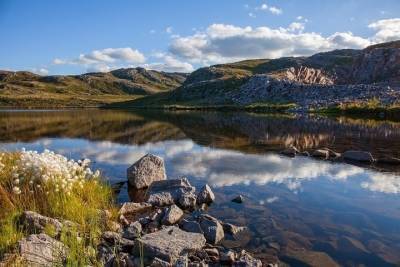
{"x": 170, "y": 227}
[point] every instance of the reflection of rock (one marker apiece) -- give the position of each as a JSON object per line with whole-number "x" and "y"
{"x": 146, "y": 170}
{"x": 355, "y": 155}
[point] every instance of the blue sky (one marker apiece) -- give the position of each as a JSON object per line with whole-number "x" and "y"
{"x": 69, "y": 37}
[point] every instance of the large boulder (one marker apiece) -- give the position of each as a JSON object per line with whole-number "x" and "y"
{"x": 355, "y": 155}
{"x": 169, "y": 192}
{"x": 146, "y": 170}
{"x": 212, "y": 229}
{"x": 42, "y": 250}
{"x": 205, "y": 195}
{"x": 168, "y": 244}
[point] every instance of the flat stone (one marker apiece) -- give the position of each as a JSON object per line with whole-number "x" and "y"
{"x": 146, "y": 170}
{"x": 362, "y": 156}
{"x": 205, "y": 195}
{"x": 169, "y": 244}
{"x": 172, "y": 215}
{"x": 42, "y": 250}
{"x": 212, "y": 229}
{"x": 133, "y": 207}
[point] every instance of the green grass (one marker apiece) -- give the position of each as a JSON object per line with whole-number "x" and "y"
{"x": 81, "y": 206}
{"x": 368, "y": 109}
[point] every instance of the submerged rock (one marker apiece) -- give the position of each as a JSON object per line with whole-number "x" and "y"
{"x": 42, "y": 250}
{"x": 320, "y": 153}
{"x": 238, "y": 199}
{"x": 355, "y": 155}
{"x": 146, "y": 170}
{"x": 205, "y": 195}
{"x": 290, "y": 151}
{"x": 232, "y": 229}
{"x": 169, "y": 244}
{"x": 172, "y": 215}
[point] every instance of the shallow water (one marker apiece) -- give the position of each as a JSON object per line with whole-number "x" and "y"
{"x": 300, "y": 210}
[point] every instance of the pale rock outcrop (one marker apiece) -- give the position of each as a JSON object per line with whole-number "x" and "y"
{"x": 146, "y": 170}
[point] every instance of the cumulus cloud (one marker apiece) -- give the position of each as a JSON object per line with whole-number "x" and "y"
{"x": 221, "y": 43}
{"x": 387, "y": 30}
{"x": 105, "y": 59}
{"x": 224, "y": 43}
{"x": 170, "y": 64}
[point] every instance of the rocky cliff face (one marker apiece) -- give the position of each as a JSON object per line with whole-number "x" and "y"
{"x": 304, "y": 75}
{"x": 378, "y": 64}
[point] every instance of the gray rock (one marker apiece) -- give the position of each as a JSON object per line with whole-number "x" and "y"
{"x": 212, "y": 252}
{"x": 42, "y": 250}
{"x": 212, "y": 229}
{"x": 116, "y": 240}
{"x": 191, "y": 226}
{"x": 146, "y": 170}
{"x": 355, "y": 155}
{"x": 168, "y": 192}
{"x": 172, "y": 215}
{"x": 228, "y": 257}
{"x": 35, "y": 223}
{"x": 320, "y": 153}
{"x": 159, "y": 263}
{"x": 188, "y": 200}
{"x": 205, "y": 195}
{"x": 169, "y": 244}
{"x": 182, "y": 261}
{"x": 232, "y": 229}
{"x": 133, "y": 231}
{"x": 121, "y": 260}
{"x": 133, "y": 207}
{"x": 246, "y": 260}
{"x": 239, "y": 199}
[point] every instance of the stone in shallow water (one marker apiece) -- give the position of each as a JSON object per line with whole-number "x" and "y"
{"x": 239, "y": 199}
{"x": 320, "y": 153}
{"x": 146, "y": 170}
{"x": 205, "y": 195}
{"x": 212, "y": 229}
{"x": 168, "y": 192}
{"x": 42, "y": 250}
{"x": 169, "y": 244}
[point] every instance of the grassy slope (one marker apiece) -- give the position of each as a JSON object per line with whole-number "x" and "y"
{"x": 27, "y": 90}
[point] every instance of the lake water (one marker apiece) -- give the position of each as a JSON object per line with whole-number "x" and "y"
{"x": 300, "y": 210}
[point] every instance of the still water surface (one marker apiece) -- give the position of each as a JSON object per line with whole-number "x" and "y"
{"x": 300, "y": 210}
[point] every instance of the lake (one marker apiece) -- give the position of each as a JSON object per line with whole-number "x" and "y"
{"x": 299, "y": 210}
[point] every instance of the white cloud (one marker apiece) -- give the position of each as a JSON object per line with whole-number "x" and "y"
{"x": 169, "y": 30}
{"x": 170, "y": 64}
{"x": 272, "y": 9}
{"x": 105, "y": 59}
{"x": 252, "y": 15}
{"x": 387, "y": 30}
{"x": 275, "y": 10}
{"x": 40, "y": 71}
{"x": 225, "y": 43}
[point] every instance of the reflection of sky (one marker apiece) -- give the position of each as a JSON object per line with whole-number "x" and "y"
{"x": 218, "y": 167}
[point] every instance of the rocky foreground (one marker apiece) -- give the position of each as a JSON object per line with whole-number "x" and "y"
{"x": 170, "y": 227}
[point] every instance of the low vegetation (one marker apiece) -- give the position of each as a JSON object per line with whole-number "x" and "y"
{"x": 368, "y": 109}
{"x": 53, "y": 186}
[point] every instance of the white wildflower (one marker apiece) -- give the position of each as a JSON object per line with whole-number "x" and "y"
{"x": 16, "y": 190}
